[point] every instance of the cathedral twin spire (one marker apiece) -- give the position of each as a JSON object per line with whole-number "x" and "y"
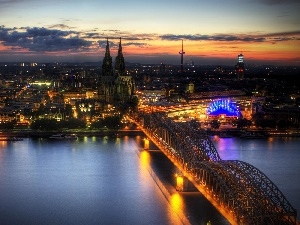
{"x": 120, "y": 62}
{"x": 107, "y": 67}
{"x": 114, "y": 85}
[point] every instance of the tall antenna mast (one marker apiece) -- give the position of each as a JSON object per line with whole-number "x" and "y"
{"x": 181, "y": 53}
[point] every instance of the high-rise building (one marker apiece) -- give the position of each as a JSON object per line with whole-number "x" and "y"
{"x": 239, "y": 68}
{"x": 115, "y": 85}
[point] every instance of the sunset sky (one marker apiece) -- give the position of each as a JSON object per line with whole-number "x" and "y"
{"x": 213, "y": 31}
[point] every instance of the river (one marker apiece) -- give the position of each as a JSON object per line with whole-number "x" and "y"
{"x": 103, "y": 180}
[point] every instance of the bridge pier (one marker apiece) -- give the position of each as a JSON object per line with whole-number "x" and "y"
{"x": 183, "y": 184}
{"x": 146, "y": 143}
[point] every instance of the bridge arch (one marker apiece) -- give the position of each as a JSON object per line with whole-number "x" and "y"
{"x": 247, "y": 191}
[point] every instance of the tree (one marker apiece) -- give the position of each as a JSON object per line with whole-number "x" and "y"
{"x": 97, "y": 124}
{"x": 133, "y": 102}
{"x": 45, "y": 125}
{"x": 215, "y": 124}
{"x": 73, "y": 123}
{"x": 130, "y": 104}
{"x": 7, "y": 126}
{"x": 39, "y": 111}
{"x": 68, "y": 110}
{"x": 240, "y": 123}
{"x": 111, "y": 122}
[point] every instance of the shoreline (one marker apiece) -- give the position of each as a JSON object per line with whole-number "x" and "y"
{"x": 47, "y": 134}
{"x": 127, "y": 132}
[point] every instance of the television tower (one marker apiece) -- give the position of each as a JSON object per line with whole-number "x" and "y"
{"x": 181, "y": 53}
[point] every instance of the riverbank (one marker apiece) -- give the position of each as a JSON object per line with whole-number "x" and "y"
{"x": 79, "y": 133}
{"x": 266, "y": 133}
{"x": 128, "y": 132}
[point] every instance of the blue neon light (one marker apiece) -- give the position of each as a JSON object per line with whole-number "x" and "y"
{"x": 223, "y": 106}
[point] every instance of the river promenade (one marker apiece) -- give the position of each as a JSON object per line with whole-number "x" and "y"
{"x": 134, "y": 132}
{"x": 79, "y": 133}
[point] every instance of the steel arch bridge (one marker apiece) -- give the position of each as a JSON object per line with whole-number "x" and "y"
{"x": 244, "y": 192}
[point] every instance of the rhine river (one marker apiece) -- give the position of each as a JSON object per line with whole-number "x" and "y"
{"x": 104, "y": 180}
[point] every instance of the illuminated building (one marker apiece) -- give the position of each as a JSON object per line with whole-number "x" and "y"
{"x": 190, "y": 88}
{"x": 239, "y": 68}
{"x": 223, "y": 107}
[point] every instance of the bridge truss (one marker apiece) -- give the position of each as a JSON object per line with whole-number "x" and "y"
{"x": 238, "y": 187}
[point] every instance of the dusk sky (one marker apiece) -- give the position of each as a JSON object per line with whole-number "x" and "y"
{"x": 213, "y": 31}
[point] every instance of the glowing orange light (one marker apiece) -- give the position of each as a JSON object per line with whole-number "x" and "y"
{"x": 146, "y": 143}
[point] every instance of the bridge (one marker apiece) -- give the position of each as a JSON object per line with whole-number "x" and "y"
{"x": 242, "y": 193}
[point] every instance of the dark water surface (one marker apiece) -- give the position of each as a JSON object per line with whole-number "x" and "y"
{"x": 101, "y": 180}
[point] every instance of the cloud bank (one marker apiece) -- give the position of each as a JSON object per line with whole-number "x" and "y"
{"x": 63, "y": 40}
{"x": 49, "y": 40}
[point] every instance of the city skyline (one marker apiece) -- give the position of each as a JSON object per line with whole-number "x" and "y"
{"x": 214, "y": 32}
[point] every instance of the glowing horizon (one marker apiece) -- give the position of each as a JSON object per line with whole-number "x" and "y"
{"x": 265, "y": 31}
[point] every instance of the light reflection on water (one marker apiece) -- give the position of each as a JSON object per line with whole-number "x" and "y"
{"x": 103, "y": 179}
{"x": 175, "y": 211}
{"x": 87, "y": 181}
{"x": 176, "y": 202}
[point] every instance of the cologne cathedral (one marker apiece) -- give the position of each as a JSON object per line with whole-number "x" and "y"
{"x": 115, "y": 86}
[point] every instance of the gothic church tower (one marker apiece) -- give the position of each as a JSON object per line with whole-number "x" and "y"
{"x": 120, "y": 62}
{"x": 107, "y": 78}
{"x": 107, "y": 68}
{"x": 115, "y": 85}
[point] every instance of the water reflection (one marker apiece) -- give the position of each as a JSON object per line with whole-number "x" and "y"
{"x": 3, "y": 144}
{"x": 145, "y": 159}
{"x": 144, "y": 164}
{"x": 97, "y": 180}
{"x": 177, "y": 204}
